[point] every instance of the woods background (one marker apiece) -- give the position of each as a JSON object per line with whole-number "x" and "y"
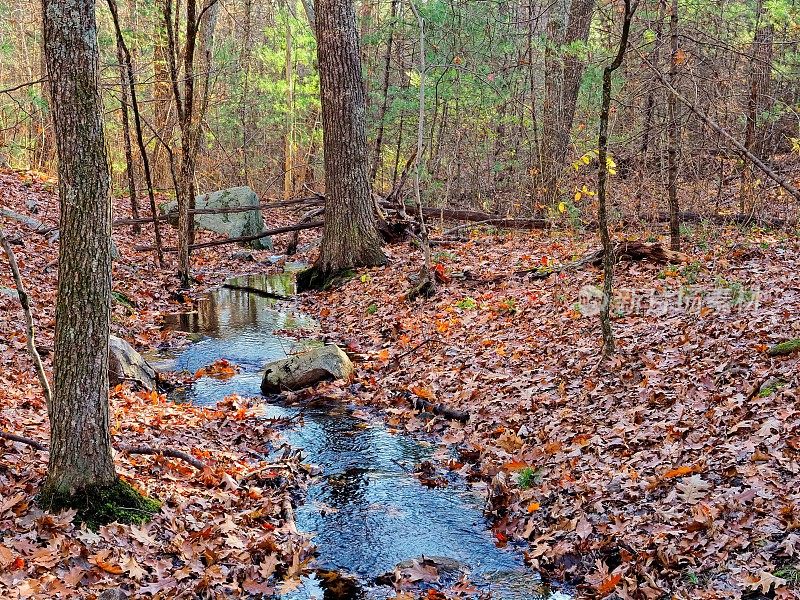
{"x": 513, "y": 90}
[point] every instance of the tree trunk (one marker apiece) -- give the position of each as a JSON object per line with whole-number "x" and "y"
{"x": 564, "y": 71}
{"x": 673, "y": 150}
{"x": 350, "y": 237}
{"x": 387, "y": 63}
{"x": 126, "y": 136}
{"x": 757, "y": 101}
{"x": 80, "y": 444}
{"x": 130, "y": 84}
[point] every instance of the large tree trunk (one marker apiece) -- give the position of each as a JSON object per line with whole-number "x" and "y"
{"x": 350, "y": 237}
{"x": 564, "y": 71}
{"x": 80, "y": 444}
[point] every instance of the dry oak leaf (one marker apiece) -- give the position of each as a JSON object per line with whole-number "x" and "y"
{"x": 692, "y": 489}
{"x": 765, "y": 580}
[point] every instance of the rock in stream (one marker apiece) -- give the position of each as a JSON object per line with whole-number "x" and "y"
{"x": 305, "y": 369}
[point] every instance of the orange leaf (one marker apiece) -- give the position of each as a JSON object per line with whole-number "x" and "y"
{"x": 383, "y": 355}
{"x": 533, "y": 507}
{"x": 608, "y": 584}
{"x": 423, "y": 392}
{"x": 106, "y": 566}
{"x": 678, "y": 472}
{"x": 514, "y": 465}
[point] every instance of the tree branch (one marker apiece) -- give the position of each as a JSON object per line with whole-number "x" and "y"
{"x": 26, "y": 308}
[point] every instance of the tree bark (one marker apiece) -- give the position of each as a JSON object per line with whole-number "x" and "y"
{"x": 564, "y": 71}
{"x": 757, "y": 101}
{"x": 80, "y": 444}
{"x": 673, "y": 150}
{"x": 350, "y": 237}
{"x": 387, "y": 63}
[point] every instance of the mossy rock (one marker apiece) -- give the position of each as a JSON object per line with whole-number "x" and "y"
{"x": 785, "y": 348}
{"x": 102, "y": 504}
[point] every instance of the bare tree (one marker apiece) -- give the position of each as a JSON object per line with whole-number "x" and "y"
{"x": 602, "y": 179}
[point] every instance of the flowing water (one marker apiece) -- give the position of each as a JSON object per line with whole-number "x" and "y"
{"x": 367, "y": 511}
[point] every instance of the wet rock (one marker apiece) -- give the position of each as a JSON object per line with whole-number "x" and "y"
{"x": 307, "y": 368}
{"x": 231, "y": 224}
{"x": 126, "y": 364}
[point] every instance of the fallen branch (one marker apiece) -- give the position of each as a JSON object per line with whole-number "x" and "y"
{"x": 245, "y": 238}
{"x": 124, "y": 449}
{"x": 30, "y": 222}
{"x": 167, "y": 452}
{"x": 633, "y": 250}
{"x": 22, "y": 440}
{"x": 26, "y": 309}
{"x": 450, "y": 214}
{"x": 442, "y": 410}
{"x": 309, "y": 201}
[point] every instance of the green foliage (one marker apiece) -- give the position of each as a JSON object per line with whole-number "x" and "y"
{"x": 527, "y": 478}
{"x": 467, "y": 303}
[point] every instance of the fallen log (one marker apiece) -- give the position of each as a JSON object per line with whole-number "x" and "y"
{"x": 244, "y": 238}
{"x": 450, "y": 214}
{"x": 627, "y": 250}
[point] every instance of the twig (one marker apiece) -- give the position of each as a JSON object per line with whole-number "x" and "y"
{"x": 26, "y": 308}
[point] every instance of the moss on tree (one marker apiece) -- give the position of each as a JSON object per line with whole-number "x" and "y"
{"x": 103, "y": 504}
{"x": 785, "y": 348}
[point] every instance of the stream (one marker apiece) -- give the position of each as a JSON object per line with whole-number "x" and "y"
{"x": 367, "y": 510}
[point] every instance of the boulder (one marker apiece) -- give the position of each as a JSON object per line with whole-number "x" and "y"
{"x": 233, "y": 225}
{"x": 126, "y": 364}
{"x": 307, "y": 368}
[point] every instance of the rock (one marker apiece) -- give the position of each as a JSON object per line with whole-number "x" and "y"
{"x": 126, "y": 364}
{"x": 112, "y": 594}
{"x": 231, "y": 224}
{"x": 307, "y": 368}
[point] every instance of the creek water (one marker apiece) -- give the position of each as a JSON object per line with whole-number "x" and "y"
{"x": 367, "y": 510}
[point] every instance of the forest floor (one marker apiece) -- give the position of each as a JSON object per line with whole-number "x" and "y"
{"x": 670, "y": 469}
